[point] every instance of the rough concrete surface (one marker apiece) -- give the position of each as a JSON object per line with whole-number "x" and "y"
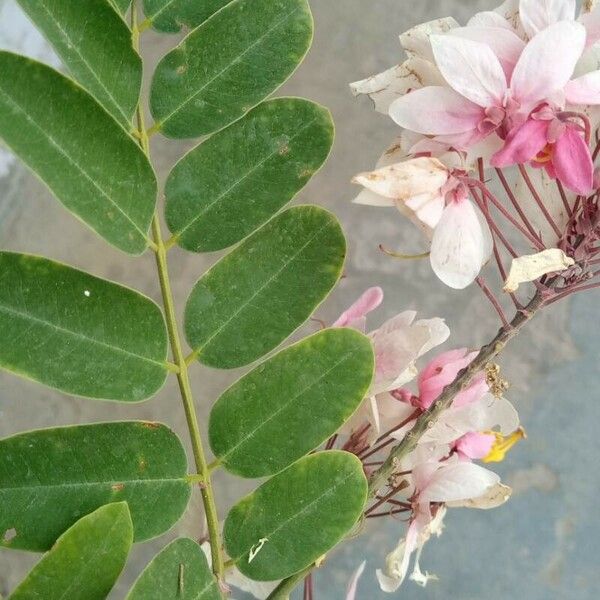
{"x": 543, "y": 544}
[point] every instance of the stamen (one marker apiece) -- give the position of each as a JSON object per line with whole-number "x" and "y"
{"x": 403, "y": 256}
{"x": 503, "y": 444}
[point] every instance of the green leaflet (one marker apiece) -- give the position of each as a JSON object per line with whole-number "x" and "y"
{"x": 179, "y": 572}
{"x": 51, "y": 477}
{"x": 86, "y": 560}
{"x": 255, "y": 297}
{"x": 290, "y": 404}
{"x": 297, "y": 516}
{"x": 85, "y": 157}
{"x": 170, "y": 16}
{"x": 250, "y": 46}
{"x": 95, "y": 44}
{"x": 235, "y": 181}
{"x": 78, "y": 333}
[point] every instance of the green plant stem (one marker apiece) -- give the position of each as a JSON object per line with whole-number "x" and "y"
{"x": 187, "y": 398}
{"x": 381, "y": 476}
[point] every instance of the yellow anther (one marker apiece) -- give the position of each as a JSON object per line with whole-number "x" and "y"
{"x": 503, "y": 444}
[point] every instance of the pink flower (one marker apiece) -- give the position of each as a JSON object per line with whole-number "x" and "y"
{"x": 461, "y": 242}
{"x": 355, "y": 317}
{"x": 442, "y": 371}
{"x": 480, "y": 99}
{"x": 438, "y": 483}
{"x": 551, "y": 140}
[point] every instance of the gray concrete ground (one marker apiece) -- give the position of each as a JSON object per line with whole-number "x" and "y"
{"x": 543, "y": 544}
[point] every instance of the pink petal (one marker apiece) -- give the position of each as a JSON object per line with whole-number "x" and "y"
{"x": 471, "y": 68}
{"x": 537, "y": 15}
{"x": 573, "y": 162}
{"x": 504, "y": 43}
{"x": 522, "y": 144}
{"x": 547, "y": 63}
{"x": 436, "y": 111}
{"x": 584, "y": 90}
{"x": 475, "y": 445}
{"x": 475, "y": 392}
{"x": 440, "y": 372}
{"x": 368, "y": 302}
{"x": 591, "y": 22}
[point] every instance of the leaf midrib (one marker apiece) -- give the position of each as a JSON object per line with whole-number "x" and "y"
{"x": 246, "y": 175}
{"x": 88, "y": 484}
{"x": 304, "y": 510}
{"x": 238, "y": 59}
{"x": 62, "y": 152}
{"x": 286, "y": 405}
{"x": 261, "y": 289}
{"x": 73, "y": 47}
{"x": 28, "y": 317}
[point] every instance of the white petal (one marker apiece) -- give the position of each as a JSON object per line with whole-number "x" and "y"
{"x": 407, "y": 179}
{"x": 428, "y": 208}
{"x": 489, "y": 18}
{"x": 471, "y": 68}
{"x": 584, "y": 90}
{"x": 504, "y": 43}
{"x": 369, "y": 198}
{"x": 460, "y": 481}
{"x": 436, "y": 111}
{"x": 460, "y": 245}
{"x": 529, "y": 268}
{"x": 509, "y": 10}
{"x": 351, "y": 591}
{"x": 493, "y": 498}
{"x": 416, "y": 40}
{"x": 537, "y": 15}
{"x": 439, "y": 332}
{"x": 483, "y": 415}
{"x": 385, "y": 87}
{"x": 547, "y": 63}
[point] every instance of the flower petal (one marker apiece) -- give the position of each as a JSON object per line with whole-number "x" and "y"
{"x": 352, "y": 585}
{"x": 368, "y": 302}
{"x": 584, "y": 90}
{"x": 522, "y": 144}
{"x": 537, "y": 15}
{"x": 489, "y": 18}
{"x": 547, "y": 63}
{"x": 416, "y": 41}
{"x": 573, "y": 162}
{"x": 436, "y": 111}
{"x": 404, "y": 180}
{"x": 459, "y": 481}
{"x": 494, "y": 497}
{"x": 506, "y": 45}
{"x": 591, "y": 22}
{"x": 385, "y": 87}
{"x": 529, "y": 268}
{"x": 471, "y": 68}
{"x": 460, "y": 246}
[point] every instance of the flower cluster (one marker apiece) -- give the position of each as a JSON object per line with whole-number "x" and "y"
{"x": 442, "y": 471}
{"x": 518, "y": 86}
